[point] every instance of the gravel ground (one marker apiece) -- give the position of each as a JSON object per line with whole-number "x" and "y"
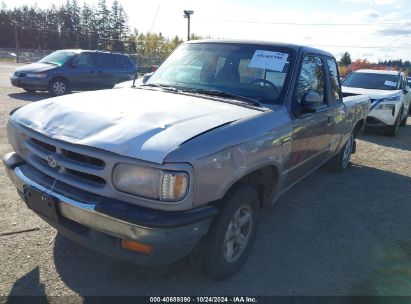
{"x": 332, "y": 234}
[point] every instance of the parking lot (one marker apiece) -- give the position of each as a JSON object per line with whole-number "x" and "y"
{"x": 332, "y": 234}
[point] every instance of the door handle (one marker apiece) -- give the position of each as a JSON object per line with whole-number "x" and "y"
{"x": 329, "y": 120}
{"x": 92, "y": 72}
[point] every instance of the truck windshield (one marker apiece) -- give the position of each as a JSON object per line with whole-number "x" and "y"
{"x": 372, "y": 81}
{"x": 259, "y": 72}
{"x": 58, "y": 57}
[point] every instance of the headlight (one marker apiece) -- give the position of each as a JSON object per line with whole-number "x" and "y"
{"x": 386, "y": 106}
{"x": 392, "y": 98}
{"x": 151, "y": 183}
{"x": 37, "y": 75}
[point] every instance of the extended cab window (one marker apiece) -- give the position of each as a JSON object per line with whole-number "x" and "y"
{"x": 311, "y": 78}
{"x": 333, "y": 71}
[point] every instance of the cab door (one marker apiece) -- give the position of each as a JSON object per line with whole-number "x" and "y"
{"x": 312, "y": 132}
{"x": 335, "y": 102}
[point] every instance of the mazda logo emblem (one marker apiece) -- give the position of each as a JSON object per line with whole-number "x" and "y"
{"x": 51, "y": 161}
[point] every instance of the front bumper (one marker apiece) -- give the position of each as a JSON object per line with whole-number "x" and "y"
{"x": 101, "y": 224}
{"x": 40, "y": 84}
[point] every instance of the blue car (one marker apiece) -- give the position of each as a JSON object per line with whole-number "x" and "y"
{"x": 66, "y": 70}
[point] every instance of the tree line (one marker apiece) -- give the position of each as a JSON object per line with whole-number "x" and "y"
{"x": 85, "y": 27}
{"x": 346, "y": 65}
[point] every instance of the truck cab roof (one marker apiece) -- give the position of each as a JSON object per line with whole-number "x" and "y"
{"x": 295, "y": 47}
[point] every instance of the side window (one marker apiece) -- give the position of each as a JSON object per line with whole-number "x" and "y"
{"x": 123, "y": 61}
{"x": 83, "y": 60}
{"x": 333, "y": 70}
{"x": 311, "y": 78}
{"x": 105, "y": 60}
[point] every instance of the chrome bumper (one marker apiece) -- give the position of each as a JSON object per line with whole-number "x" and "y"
{"x": 182, "y": 238}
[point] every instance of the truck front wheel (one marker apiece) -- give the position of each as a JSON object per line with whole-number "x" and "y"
{"x": 225, "y": 248}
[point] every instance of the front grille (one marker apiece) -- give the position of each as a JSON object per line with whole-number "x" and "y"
{"x": 63, "y": 164}
{"x": 86, "y": 176}
{"x": 43, "y": 145}
{"x": 83, "y": 158}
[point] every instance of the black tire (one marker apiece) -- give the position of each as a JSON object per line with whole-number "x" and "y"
{"x": 341, "y": 161}
{"x": 392, "y": 131}
{"x": 404, "y": 121}
{"x": 210, "y": 255}
{"x": 58, "y": 87}
{"x": 29, "y": 90}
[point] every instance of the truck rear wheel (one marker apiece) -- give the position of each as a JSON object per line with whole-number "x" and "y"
{"x": 341, "y": 161}
{"x": 225, "y": 248}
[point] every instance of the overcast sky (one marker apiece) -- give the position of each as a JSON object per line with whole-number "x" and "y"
{"x": 382, "y": 28}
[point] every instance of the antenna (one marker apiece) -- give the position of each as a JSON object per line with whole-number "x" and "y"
{"x": 145, "y": 47}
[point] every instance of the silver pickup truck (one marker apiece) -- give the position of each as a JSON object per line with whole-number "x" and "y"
{"x": 182, "y": 164}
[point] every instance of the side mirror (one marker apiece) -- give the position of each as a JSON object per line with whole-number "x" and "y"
{"x": 73, "y": 64}
{"x": 146, "y": 77}
{"x": 310, "y": 102}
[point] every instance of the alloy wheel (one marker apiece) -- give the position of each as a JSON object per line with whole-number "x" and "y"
{"x": 238, "y": 233}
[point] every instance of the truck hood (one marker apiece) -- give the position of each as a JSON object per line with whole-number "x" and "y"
{"x": 36, "y": 67}
{"x": 143, "y": 124}
{"x": 373, "y": 94}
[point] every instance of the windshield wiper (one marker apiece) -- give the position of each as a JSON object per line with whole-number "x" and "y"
{"x": 48, "y": 62}
{"x": 164, "y": 87}
{"x": 218, "y": 93}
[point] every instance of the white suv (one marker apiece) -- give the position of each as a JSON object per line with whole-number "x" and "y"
{"x": 389, "y": 93}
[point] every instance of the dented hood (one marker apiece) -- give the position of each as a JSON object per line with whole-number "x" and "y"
{"x": 143, "y": 124}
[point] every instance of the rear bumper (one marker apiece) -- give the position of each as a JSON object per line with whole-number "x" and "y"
{"x": 101, "y": 225}
{"x": 40, "y": 84}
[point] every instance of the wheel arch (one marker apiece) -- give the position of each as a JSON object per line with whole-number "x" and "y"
{"x": 264, "y": 179}
{"x": 65, "y": 79}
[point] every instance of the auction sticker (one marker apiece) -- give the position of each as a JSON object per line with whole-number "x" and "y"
{"x": 268, "y": 60}
{"x": 390, "y": 83}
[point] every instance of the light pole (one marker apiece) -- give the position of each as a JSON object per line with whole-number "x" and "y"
{"x": 16, "y": 38}
{"x": 187, "y": 15}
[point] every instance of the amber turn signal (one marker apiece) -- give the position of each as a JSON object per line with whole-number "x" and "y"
{"x": 136, "y": 246}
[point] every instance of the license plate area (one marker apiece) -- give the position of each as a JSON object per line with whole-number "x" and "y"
{"x": 42, "y": 204}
